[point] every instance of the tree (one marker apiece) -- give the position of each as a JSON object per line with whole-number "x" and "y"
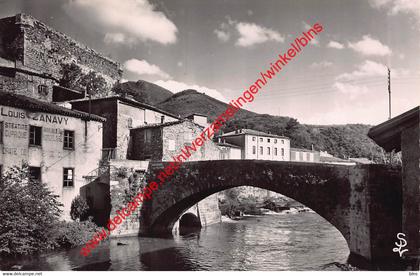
{"x": 28, "y": 213}
{"x": 291, "y": 126}
{"x": 79, "y": 209}
{"x": 95, "y": 84}
{"x": 72, "y": 76}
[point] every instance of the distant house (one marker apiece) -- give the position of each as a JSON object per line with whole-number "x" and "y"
{"x": 259, "y": 145}
{"x": 362, "y": 160}
{"x": 304, "y": 155}
{"x": 325, "y": 157}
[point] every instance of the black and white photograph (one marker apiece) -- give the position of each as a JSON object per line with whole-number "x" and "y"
{"x": 209, "y": 135}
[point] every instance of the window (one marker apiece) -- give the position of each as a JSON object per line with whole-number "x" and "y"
{"x": 301, "y": 156}
{"x": 35, "y": 173}
{"x": 282, "y": 141}
{"x": 171, "y": 145}
{"x": 68, "y": 139}
{"x": 268, "y": 140}
{"x": 35, "y": 134}
{"x": 261, "y": 150}
{"x": 148, "y": 135}
{"x": 261, "y": 139}
{"x": 282, "y": 152}
{"x": 253, "y": 139}
{"x": 68, "y": 177}
{"x": 275, "y": 151}
{"x": 275, "y": 141}
{"x": 1, "y": 132}
{"x": 162, "y": 119}
{"x": 130, "y": 122}
{"x": 308, "y": 156}
{"x": 254, "y": 149}
{"x": 268, "y": 150}
{"x": 43, "y": 89}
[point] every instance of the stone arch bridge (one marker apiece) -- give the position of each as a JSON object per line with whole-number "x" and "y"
{"x": 363, "y": 202}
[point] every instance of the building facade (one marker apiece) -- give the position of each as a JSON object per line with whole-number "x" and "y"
{"x": 259, "y": 145}
{"x": 60, "y": 145}
{"x": 161, "y": 142}
{"x": 304, "y": 155}
{"x": 122, "y": 114}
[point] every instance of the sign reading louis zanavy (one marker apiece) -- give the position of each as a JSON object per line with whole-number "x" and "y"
{"x": 42, "y": 117}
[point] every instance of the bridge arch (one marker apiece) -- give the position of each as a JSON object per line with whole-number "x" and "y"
{"x": 324, "y": 189}
{"x": 354, "y": 199}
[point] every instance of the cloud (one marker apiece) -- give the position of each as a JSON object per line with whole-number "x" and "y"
{"x": 222, "y": 33}
{"x": 335, "y": 45}
{"x": 322, "y": 64}
{"x": 394, "y": 7}
{"x": 366, "y": 69}
{"x": 128, "y": 21}
{"x": 251, "y": 34}
{"x": 176, "y": 87}
{"x": 370, "y": 47}
{"x": 306, "y": 27}
{"x": 351, "y": 90}
{"x": 142, "y": 67}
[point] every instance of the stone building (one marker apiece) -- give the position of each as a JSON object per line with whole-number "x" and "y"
{"x": 32, "y": 54}
{"x": 60, "y": 145}
{"x": 122, "y": 114}
{"x": 259, "y": 145}
{"x": 161, "y": 142}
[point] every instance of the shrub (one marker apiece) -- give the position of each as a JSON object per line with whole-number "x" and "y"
{"x": 28, "y": 212}
{"x": 74, "y": 233}
{"x": 79, "y": 209}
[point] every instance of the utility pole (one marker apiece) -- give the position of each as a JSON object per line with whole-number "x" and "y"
{"x": 389, "y": 92}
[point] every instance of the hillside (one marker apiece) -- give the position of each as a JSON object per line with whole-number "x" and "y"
{"x": 343, "y": 141}
{"x": 143, "y": 91}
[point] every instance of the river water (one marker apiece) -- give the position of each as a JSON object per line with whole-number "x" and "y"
{"x": 302, "y": 241}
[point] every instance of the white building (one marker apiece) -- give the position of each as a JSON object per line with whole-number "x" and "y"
{"x": 259, "y": 145}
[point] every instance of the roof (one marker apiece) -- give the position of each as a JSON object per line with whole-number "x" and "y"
{"x": 195, "y": 113}
{"x": 247, "y": 131}
{"x": 304, "y": 150}
{"x": 128, "y": 101}
{"x": 224, "y": 144}
{"x": 23, "y": 102}
{"x": 388, "y": 134}
{"x": 166, "y": 124}
{"x": 327, "y": 159}
{"x": 362, "y": 160}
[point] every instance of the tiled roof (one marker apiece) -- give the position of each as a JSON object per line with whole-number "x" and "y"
{"x": 252, "y": 132}
{"x": 23, "y": 102}
{"x": 304, "y": 150}
{"x": 333, "y": 159}
{"x": 129, "y": 101}
{"x": 224, "y": 144}
{"x": 167, "y": 124}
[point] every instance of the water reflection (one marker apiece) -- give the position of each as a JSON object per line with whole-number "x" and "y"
{"x": 303, "y": 241}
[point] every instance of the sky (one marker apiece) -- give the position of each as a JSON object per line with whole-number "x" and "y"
{"x": 219, "y": 47}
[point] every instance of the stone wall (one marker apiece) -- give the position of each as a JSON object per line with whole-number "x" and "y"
{"x": 26, "y": 84}
{"x": 34, "y": 46}
{"x": 183, "y": 134}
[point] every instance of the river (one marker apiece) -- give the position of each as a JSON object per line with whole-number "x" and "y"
{"x": 302, "y": 241}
